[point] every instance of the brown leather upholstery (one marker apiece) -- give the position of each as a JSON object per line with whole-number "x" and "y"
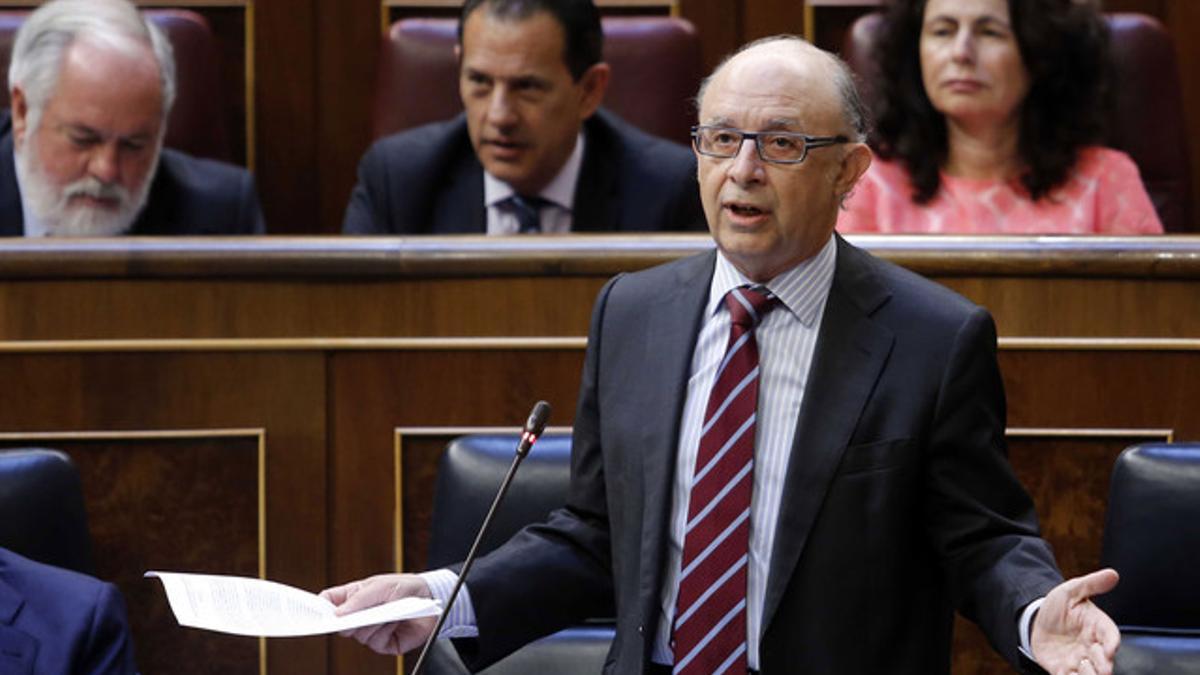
{"x": 656, "y": 65}
{"x": 196, "y": 125}
{"x": 1148, "y": 122}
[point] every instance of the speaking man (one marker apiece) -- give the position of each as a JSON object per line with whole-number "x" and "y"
{"x": 788, "y": 455}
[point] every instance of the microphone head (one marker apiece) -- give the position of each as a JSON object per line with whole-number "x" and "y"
{"x": 536, "y": 423}
{"x": 534, "y": 426}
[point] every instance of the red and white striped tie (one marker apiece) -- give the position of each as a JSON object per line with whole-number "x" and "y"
{"x": 710, "y": 612}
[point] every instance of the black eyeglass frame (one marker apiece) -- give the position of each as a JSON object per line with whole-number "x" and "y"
{"x": 810, "y": 142}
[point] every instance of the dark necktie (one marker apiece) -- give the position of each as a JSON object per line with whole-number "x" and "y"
{"x": 528, "y": 210}
{"x": 710, "y": 612}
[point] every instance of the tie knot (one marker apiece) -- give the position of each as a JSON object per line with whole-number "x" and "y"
{"x": 748, "y": 304}
{"x": 528, "y": 210}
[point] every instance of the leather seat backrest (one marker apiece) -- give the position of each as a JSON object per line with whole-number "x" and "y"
{"x": 197, "y": 123}
{"x": 41, "y": 509}
{"x": 655, "y": 60}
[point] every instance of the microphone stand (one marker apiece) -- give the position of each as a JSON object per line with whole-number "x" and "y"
{"x": 529, "y": 435}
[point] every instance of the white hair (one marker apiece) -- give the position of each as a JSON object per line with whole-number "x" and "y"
{"x": 44, "y": 38}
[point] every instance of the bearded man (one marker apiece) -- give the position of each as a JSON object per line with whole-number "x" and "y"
{"x": 92, "y": 83}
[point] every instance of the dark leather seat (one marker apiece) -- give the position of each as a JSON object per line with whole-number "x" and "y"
{"x": 1147, "y": 123}
{"x": 41, "y": 509}
{"x": 656, "y": 69}
{"x": 197, "y": 122}
{"x": 1152, "y": 538}
{"x": 469, "y": 473}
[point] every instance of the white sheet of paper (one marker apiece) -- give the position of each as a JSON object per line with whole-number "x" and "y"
{"x": 248, "y": 606}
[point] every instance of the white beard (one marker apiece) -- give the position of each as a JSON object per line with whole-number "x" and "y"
{"x": 53, "y": 207}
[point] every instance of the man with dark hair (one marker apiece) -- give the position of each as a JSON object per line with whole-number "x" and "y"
{"x": 92, "y": 83}
{"x": 532, "y": 152}
{"x": 788, "y": 455}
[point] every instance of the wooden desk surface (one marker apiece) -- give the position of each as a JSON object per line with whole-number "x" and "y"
{"x": 341, "y": 287}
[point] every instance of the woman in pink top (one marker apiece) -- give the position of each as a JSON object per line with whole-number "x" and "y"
{"x": 989, "y": 116}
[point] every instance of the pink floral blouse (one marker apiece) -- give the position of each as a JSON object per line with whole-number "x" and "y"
{"x": 1103, "y": 195}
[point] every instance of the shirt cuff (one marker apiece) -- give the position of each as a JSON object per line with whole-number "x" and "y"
{"x": 460, "y": 622}
{"x": 1025, "y": 625}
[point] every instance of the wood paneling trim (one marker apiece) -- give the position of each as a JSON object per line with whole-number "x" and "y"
{"x": 256, "y": 435}
{"x": 577, "y": 255}
{"x": 297, "y": 344}
{"x": 504, "y": 343}
{"x": 1099, "y": 344}
{"x": 1164, "y": 435}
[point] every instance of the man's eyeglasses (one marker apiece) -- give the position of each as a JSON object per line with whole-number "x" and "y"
{"x": 777, "y": 147}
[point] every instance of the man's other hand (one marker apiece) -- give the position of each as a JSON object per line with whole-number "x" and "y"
{"x": 1071, "y": 635}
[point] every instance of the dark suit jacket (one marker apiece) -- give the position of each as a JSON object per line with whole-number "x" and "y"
{"x": 57, "y": 622}
{"x": 899, "y": 504}
{"x": 189, "y": 196}
{"x": 427, "y": 180}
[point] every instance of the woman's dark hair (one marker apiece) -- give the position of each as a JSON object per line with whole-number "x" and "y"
{"x": 1064, "y": 45}
{"x": 580, "y": 21}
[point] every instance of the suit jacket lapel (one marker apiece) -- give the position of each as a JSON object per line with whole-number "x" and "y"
{"x": 12, "y": 218}
{"x": 672, "y": 326}
{"x": 460, "y": 208}
{"x": 850, "y": 354}
{"x": 597, "y": 182}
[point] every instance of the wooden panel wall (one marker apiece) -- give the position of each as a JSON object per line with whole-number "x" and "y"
{"x": 164, "y": 500}
{"x": 169, "y": 368}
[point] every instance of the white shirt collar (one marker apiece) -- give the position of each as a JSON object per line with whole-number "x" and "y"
{"x": 802, "y": 289}
{"x": 560, "y": 191}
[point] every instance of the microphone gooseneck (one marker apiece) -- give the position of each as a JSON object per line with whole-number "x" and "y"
{"x": 534, "y": 426}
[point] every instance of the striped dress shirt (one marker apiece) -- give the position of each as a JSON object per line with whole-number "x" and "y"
{"x": 786, "y": 339}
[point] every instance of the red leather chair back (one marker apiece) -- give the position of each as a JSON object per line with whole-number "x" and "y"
{"x": 656, "y": 64}
{"x": 196, "y": 125}
{"x": 1148, "y": 122}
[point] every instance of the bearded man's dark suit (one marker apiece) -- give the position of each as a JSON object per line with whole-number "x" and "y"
{"x": 428, "y": 180}
{"x": 188, "y": 196}
{"x": 899, "y": 504}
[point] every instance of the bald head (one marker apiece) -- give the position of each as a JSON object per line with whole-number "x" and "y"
{"x": 818, "y": 73}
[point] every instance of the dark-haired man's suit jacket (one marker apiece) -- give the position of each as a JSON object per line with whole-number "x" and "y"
{"x": 58, "y": 622}
{"x": 428, "y": 180}
{"x": 899, "y": 504}
{"x": 188, "y": 196}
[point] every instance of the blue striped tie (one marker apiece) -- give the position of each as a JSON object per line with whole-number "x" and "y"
{"x": 528, "y": 210}
{"x": 710, "y": 612}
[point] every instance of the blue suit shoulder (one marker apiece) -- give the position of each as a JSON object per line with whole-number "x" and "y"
{"x": 54, "y": 621}
{"x": 195, "y": 196}
{"x": 402, "y": 176}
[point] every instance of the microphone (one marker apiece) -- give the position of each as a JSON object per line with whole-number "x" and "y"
{"x": 534, "y": 426}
